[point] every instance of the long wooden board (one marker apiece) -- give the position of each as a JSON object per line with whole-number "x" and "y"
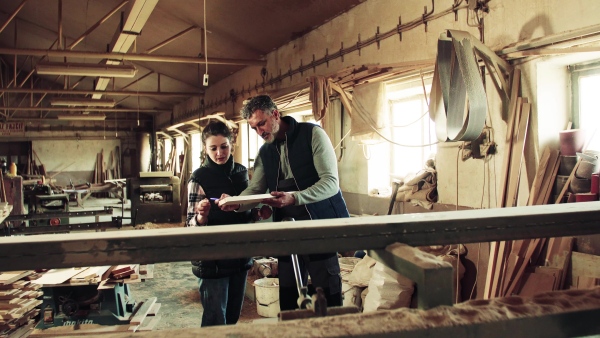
{"x": 275, "y": 239}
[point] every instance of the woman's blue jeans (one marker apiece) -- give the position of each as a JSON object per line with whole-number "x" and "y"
{"x": 222, "y": 299}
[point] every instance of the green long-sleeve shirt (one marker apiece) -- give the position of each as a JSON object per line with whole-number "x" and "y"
{"x": 325, "y": 162}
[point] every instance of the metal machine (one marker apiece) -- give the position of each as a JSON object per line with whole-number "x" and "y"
{"x": 41, "y": 199}
{"x": 155, "y": 197}
{"x": 86, "y": 304}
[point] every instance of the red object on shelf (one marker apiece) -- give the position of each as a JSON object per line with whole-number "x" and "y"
{"x": 586, "y": 197}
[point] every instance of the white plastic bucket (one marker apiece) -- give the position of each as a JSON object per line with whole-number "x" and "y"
{"x": 267, "y": 296}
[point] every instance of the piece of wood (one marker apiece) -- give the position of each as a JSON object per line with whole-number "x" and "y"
{"x": 516, "y": 161}
{"x": 149, "y": 323}
{"x": 246, "y": 199}
{"x": 282, "y": 238}
{"x": 568, "y": 182}
{"x": 536, "y": 283}
{"x": 13, "y": 276}
{"x": 584, "y": 265}
{"x": 142, "y": 312}
{"x": 539, "y": 177}
{"x": 549, "y": 177}
{"x": 56, "y": 276}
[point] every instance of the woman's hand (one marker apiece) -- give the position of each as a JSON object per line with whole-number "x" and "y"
{"x": 230, "y": 207}
{"x": 202, "y": 211}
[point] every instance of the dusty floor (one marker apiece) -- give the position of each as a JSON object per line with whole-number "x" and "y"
{"x": 174, "y": 285}
{"x": 176, "y": 288}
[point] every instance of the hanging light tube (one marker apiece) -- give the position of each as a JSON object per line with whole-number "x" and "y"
{"x": 82, "y": 117}
{"x": 85, "y": 69}
{"x": 80, "y": 102}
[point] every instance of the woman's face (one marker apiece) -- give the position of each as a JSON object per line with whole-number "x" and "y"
{"x": 218, "y": 148}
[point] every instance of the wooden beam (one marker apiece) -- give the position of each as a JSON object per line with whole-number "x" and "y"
{"x": 434, "y": 277}
{"x": 301, "y": 237}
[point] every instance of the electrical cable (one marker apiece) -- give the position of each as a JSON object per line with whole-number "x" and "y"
{"x": 205, "y": 42}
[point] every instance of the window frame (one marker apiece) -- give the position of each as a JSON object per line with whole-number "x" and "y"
{"x": 578, "y": 71}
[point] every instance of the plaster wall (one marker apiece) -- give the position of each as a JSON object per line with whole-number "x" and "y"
{"x": 508, "y": 22}
{"x": 72, "y": 159}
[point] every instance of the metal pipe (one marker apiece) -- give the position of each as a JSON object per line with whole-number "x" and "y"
{"x": 130, "y": 57}
{"x": 79, "y": 109}
{"x": 12, "y": 16}
{"x": 96, "y": 25}
{"x": 169, "y": 40}
{"x": 60, "y": 27}
{"x": 92, "y": 92}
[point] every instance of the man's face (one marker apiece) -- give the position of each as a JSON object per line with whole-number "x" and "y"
{"x": 265, "y": 125}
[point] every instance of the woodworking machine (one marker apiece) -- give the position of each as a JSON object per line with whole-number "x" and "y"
{"x": 155, "y": 197}
{"x": 63, "y": 305}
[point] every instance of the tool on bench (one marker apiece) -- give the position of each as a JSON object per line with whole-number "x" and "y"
{"x": 315, "y": 306}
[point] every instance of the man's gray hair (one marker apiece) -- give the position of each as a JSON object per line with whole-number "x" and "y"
{"x": 262, "y": 102}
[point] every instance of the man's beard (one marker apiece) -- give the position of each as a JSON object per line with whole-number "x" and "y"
{"x": 274, "y": 131}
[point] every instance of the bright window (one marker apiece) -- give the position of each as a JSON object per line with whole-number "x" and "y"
{"x": 251, "y": 142}
{"x": 412, "y": 130}
{"x": 196, "y": 150}
{"x": 586, "y": 101}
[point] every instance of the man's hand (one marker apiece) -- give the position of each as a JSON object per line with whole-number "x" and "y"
{"x": 230, "y": 207}
{"x": 282, "y": 199}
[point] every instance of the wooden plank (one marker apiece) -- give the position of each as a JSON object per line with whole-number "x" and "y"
{"x": 584, "y": 265}
{"x": 12, "y": 276}
{"x": 549, "y": 177}
{"x": 539, "y": 176}
{"x": 530, "y": 250}
{"x": 56, "y": 276}
{"x": 512, "y": 115}
{"x": 149, "y": 323}
{"x": 568, "y": 182}
{"x": 536, "y": 283}
{"x": 142, "y": 312}
{"x": 282, "y": 238}
{"x": 516, "y": 161}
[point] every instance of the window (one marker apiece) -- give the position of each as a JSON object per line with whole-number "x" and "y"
{"x": 413, "y": 131}
{"x": 251, "y": 142}
{"x": 586, "y": 101}
{"x": 196, "y": 150}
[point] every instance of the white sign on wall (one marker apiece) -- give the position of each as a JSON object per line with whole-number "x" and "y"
{"x": 11, "y": 128}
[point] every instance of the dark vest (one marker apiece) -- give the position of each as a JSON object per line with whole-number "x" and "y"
{"x": 299, "y": 144}
{"x": 230, "y": 178}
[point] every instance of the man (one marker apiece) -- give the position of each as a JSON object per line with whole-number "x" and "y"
{"x": 298, "y": 165}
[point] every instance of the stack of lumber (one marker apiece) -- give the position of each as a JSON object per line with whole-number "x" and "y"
{"x": 145, "y": 316}
{"x": 552, "y": 275}
{"x": 18, "y": 303}
{"x": 512, "y": 265}
{"x": 109, "y": 169}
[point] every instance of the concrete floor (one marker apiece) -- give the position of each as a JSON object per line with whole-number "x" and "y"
{"x": 174, "y": 285}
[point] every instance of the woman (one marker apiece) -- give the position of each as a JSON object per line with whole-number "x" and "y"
{"x": 222, "y": 283}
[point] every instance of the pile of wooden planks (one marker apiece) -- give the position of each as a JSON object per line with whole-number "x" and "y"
{"x": 18, "y": 302}
{"x": 511, "y": 267}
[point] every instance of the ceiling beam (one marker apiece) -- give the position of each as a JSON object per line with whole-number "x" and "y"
{"x": 130, "y": 57}
{"x": 80, "y": 109}
{"x": 97, "y": 24}
{"x": 169, "y": 40}
{"x": 92, "y": 92}
{"x": 12, "y": 16}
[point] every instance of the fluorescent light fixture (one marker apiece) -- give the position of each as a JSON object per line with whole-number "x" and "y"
{"x": 85, "y": 69}
{"x": 80, "y": 102}
{"x": 82, "y": 117}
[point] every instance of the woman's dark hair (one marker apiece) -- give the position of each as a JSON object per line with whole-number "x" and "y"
{"x": 215, "y": 128}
